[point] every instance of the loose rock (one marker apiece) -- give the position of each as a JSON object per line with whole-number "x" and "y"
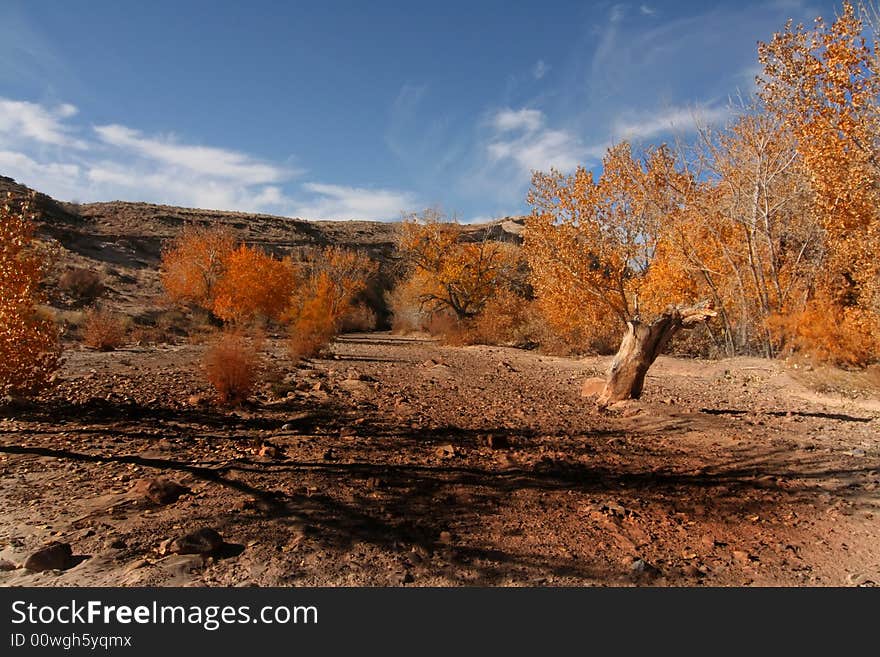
{"x": 201, "y": 541}
{"x": 159, "y": 491}
{"x": 54, "y": 556}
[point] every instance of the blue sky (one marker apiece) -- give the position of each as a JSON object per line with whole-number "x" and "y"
{"x": 357, "y": 110}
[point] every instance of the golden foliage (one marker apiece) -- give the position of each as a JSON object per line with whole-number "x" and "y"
{"x": 253, "y": 284}
{"x": 823, "y": 85}
{"x": 591, "y": 243}
{"x": 193, "y": 264}
{"x": 329, "y": 281}
{"x": 29, "y": 345}
{"x": 829, "y": 332}
{"x": 447, "y": 272}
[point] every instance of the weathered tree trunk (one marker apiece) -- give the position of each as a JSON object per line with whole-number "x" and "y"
{"x": 641, "y": 345}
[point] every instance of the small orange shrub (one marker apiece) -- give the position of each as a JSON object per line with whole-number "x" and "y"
{"x": 104, "y": 331}
{"x": 314, "y": 326}
{"x": 232, "y": 366}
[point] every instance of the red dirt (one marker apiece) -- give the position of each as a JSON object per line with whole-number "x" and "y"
{"x": 384, "y": 472}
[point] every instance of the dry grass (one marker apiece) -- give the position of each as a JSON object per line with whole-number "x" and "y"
{"x": 84, "y": 285}
{"x": 232, "y": 367}
{"x": 104, "y": 331}
{"x": 359, "y": 319}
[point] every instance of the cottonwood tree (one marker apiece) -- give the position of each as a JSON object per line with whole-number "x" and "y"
{"x": 328, "y": 282}
{"x": 253, "y": 284}
{"x": 448, "y": 272}
{"x": 29, "y": 344}
{"x": 591, "y": 244}
{"x": 823, "y": 84}
{"x": 193, "y": 263}
{"x": 744, "y": 236}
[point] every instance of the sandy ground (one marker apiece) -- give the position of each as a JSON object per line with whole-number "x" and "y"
{"x": 402, "y": 462}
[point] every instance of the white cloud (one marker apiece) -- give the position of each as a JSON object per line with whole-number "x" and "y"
{"x": 204, "y": 160}
{"x": 671, "y": 120}
{"x": 536, "y": 147}
{"x": 121, "y": 163}
{"x": 508, "y": 120}
{"x": 647, "y": 11}
{"x": 22, "y": 120}
{"x": 343, "y": 202}
{"x": 540, "y": 69}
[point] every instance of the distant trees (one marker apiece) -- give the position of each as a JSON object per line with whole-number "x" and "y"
{"x": 29, "y": 343}
{"x": 448, "y": 273}
{"x": 240, "y": 284}
{"x": 328, "y": 283}
{"x": 253, "y": 284}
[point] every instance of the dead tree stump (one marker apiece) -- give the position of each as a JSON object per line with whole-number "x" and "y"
{"x": 641, "y": 345}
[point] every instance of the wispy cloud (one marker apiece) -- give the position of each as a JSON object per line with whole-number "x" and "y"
{"x": 522, "y": 119}
{"x": 672, "y": 120}
{"x": 44, "y": 148}
{"x": 203, "y": 160}
{"x": 522, "y": 136}
{"x": 540, "y": 69}
{"x": 344, "y": 202}
{"x": 647, "y": 10}
{"x": 22, "y": 120}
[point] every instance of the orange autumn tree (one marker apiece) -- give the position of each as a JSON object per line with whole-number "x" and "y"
{"x": 205, "y": 267}
{"x": 744, "y": 235}
{"x": 253, "y": 284}
{"x": 823, "y": 84}
{"x": 591, "y": 244}
{"x": 446, "y": 272}
{"x": 328, "y": 283}
{"x": 29, "y": 345}
{"x": 194, "y": 262}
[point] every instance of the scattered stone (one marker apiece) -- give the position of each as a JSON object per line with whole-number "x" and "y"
{"x": 118, "y": 544}
{"x": 494, "y": 441}
{"x": 690, "y": 570}
{"x": 196, "y": 400}
{"x": 6, "y": 565}
{"x": 445, "y": 537}
{"x": 641, "y": 567}
{"x": 858, "y": 453}
{"x": 329, "y": 455}
{"x": 201, "y": 541}
{"x": 348, "y": 432}
{"x": 269, "y": 452}
{"x": 246, "y": 504}
{"x": 287, "y": 427}
{"x": 376, "y": 483}
{"x": 407, "y": 578}
{"x": 159, "y": 491}
{"x": 743, "y": 557}
{"x": 134, "y": 565}
{"x": 54, "y": 556}
{"x": 445, "y": 452}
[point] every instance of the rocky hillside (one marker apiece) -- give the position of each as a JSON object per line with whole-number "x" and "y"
{"x": 123, "y": 241}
